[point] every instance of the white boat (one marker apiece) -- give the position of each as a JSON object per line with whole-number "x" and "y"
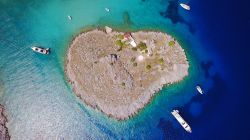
{"x": 69, "y": 17}
{"x": 41, "y": 50}
{"x": 185, "y": 6}
{"x": 107, "y": 9}
{"x": 183, "y": 123}
{"x": 198, "y": 88}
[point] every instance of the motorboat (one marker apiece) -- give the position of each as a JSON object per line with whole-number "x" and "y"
{"x": 41, "y": 50}
{"x": 182, "y": 122}
{"x": 107, "y": 9}
{"x": 69, "y": 17}
{"x": 185, "y": 6}
{"x": 198, "y": 88}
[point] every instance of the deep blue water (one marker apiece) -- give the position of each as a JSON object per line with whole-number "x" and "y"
{"x": 225, "y": 29}
{"x": 214, "y": 33}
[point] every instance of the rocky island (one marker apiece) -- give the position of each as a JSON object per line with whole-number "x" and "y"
{"x": 118, "y": 72}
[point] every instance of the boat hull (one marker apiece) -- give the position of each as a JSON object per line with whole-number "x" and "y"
{"x": 41, "y": 50}
{"x": 182, "y": 122}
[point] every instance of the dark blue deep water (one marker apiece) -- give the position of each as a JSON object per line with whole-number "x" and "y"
{"x": 225, "y": 27}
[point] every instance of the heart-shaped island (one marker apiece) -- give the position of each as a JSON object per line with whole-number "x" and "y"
{"x": 119, "y": 72}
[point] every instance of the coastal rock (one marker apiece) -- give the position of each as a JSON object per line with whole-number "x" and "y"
{"x": 109, "y": 73}
{"x": 108, "y": 29}
{"x": 4, "y": 135}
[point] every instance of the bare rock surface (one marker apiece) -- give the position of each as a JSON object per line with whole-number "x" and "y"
{"x": 4, "y": 135}
{"x": 108, "y": 73}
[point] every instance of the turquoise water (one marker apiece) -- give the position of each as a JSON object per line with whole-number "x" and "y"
{"x": 38, "y": 101}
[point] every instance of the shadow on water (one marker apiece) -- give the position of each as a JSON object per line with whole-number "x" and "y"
{"x": 206, "y": 67}
{"x": 172, "y": 13}
{"x": 169, "y": 131}
{"x": 202, "y": 106}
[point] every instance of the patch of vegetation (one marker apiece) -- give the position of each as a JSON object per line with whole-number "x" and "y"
{"x": 134, "y": 64}
{"x": 132, "y": 59}
{"x": 171, "y": 43}
{"x": 161, "y": 61}
{"x": 148, "y": 67}
{"x": 142, "y": 46}
{"x": 120, "y": 36}
{"x": 123, "y": 84}
{"x": 119, "y": 43}
{"x": 134, "y": 48}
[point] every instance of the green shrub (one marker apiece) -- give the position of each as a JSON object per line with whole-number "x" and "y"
{"x": 161, "y": 61}
{"x": 119, "y": 43}
{"x": 142, "y": 46}
{"x": 134, "y": 48}
{"x": 134, "y": 64}
{"x": 133, "y": 59}
{"x": 120, "y": 36}
{"x": 123, "y": 84}
{"x": 171, "y": 43}
{"x": 148, "y": 67}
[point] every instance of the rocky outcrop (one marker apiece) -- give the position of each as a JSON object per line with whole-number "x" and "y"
{"x": 4, "y": 135}
{"x": 118, "y": 73}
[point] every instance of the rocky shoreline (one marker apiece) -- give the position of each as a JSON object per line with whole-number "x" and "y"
{"x": 4, "y": 135}
{"x": 118, "y": 73}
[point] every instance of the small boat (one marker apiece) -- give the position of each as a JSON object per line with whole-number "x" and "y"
{"x": 107, "y": 9}
{"x": 185, "y": 6}
{"x": 69, "y": 17}
{"x": 182, "y": 122}
{"x": 198, "y": 88}
{"x": 41, "y": 50}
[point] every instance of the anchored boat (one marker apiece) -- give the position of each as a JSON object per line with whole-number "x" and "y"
{"x": 69, "y": 17}
{"x": 198, "y": 88}
{"x": 183, "y": 123}
{"x": 107, "y": 9}
{"x": 185, "y": 6}
{"x": 41, "y": 50}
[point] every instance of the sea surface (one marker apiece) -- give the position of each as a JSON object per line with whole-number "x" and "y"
{"x": 40, "y": 103}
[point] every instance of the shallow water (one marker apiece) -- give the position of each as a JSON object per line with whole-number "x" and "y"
{"x": 40, "y": 103}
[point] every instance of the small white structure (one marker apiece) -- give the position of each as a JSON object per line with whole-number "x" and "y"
{"x": 131, "y": 40}
{"x": 132, "y": 43}
{"x": 69, "y": 17}
{"x": 140, "y": 58}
